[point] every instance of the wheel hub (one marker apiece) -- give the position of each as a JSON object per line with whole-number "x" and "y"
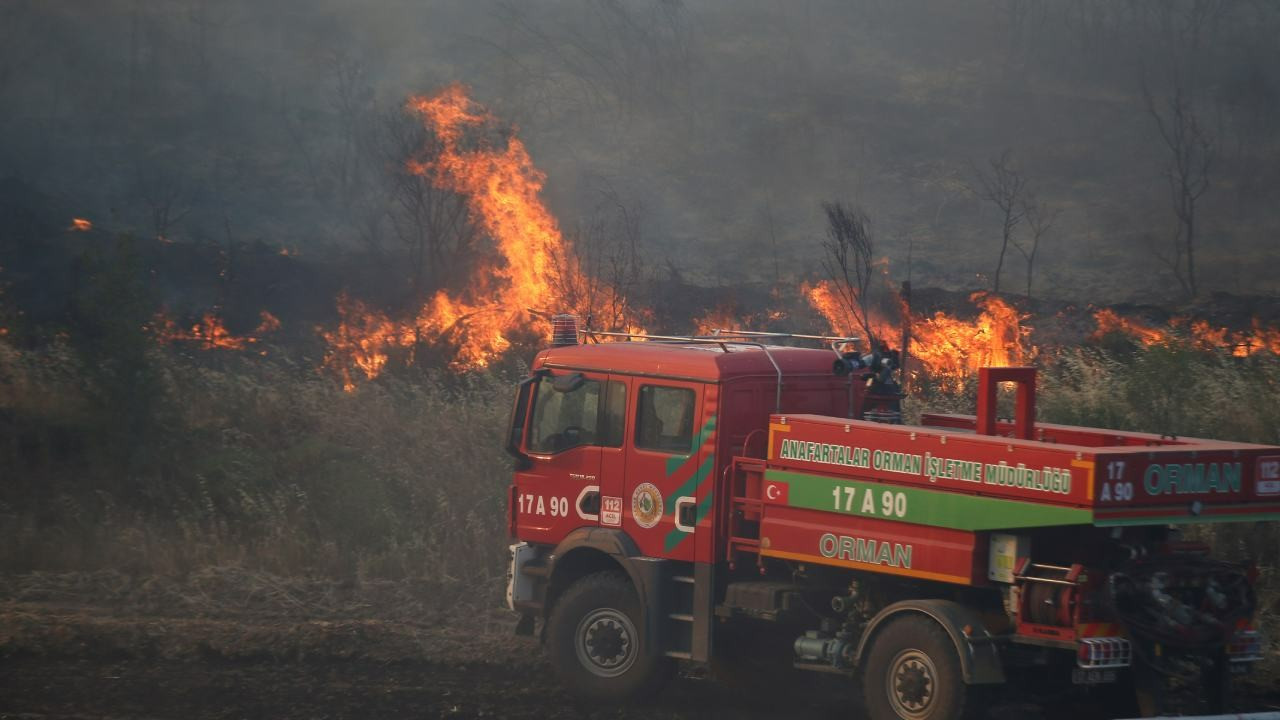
{"x": 911, "y": 684}
{"x": 606, "y": 642}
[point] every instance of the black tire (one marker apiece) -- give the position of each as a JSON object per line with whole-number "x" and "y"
{"x": 596, "y": 643}
{"x": 913, "y": 673}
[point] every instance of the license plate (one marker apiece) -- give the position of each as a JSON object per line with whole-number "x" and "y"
{"x": 1081, "y": 676}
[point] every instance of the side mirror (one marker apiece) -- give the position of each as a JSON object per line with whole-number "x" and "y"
{"x": 568, "y": 383}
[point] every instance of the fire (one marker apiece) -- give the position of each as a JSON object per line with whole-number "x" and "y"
{"x": 211, "y": 333}
{"x": 721, "y": 317}
{"x": 826, "y": 300}
{"x": 947, "y": 348}
{"x": 1200, "y": 333}
{"x": 80, "y": 225}
{"x": 535, "y": 269}
{"x": 267, "y": 324}
{"x": 1110, "y": 322}
{"x": 1241, "y": 343}
{"x": 952, "y": 350}
{"x": 728, "y": 316}
{"x": 1261, "y": 338}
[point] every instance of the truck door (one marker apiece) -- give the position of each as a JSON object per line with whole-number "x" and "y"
{"x": 573, "y": 421}
{"x": 665, "y": 466}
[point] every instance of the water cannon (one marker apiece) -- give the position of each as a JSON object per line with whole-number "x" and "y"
{"x": 847, "y": 363}
{"x": 883, "y": 362}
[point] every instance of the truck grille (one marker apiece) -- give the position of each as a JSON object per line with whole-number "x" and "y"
{"x": 1245, "y": 646}
{"x": 1104, "y": 652}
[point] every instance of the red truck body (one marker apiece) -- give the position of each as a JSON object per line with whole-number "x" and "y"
{"x": 722, "y": 482}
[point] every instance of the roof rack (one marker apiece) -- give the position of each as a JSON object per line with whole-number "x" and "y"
{"x": 835, "y": 340}
{"x": 724, "y": 338}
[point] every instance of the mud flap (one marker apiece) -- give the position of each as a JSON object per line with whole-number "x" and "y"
{"x": 648, "y": 575}
{"x": 524, "y": 626}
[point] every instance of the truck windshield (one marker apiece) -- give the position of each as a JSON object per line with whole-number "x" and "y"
{"x": 562, "y": 420}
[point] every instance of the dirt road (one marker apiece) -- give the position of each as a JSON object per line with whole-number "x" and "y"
{"x": 75, "y": 662}
{"x": 205, "y": 654}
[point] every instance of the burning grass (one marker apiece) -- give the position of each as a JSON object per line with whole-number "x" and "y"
{"x": 210, "y": 332}
{"x": 534, "y": 267}
{"x": 945, "y": 348}
{"x": 1259, "y": 338}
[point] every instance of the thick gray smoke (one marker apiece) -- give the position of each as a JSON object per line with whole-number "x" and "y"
{"x": 718, "y": 128}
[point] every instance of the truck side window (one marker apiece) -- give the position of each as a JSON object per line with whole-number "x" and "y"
{"x": 563, "y": 420}
{"x": 664, "y": 419}
{"x": 615, "y": 414}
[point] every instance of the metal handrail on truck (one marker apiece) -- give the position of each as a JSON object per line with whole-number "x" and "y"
{"x": 723, "y": 339}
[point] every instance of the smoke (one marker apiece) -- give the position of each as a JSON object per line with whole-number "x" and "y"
{"x": 721, "y": 125}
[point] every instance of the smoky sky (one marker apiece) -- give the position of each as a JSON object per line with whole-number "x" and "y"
{"x": 722, "y": 126}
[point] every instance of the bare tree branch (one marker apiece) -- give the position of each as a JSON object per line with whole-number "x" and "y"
{"x": 849, "y": 253}
{"x": 1191, "y": 153}
{"x": 1003, "y": 187}
{"x": 1040, "y": 220}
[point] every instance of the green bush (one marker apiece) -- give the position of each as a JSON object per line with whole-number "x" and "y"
{"x": 1175, "y": 390}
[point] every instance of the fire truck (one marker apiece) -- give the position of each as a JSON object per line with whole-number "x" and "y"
{"x": 676, "y": 498}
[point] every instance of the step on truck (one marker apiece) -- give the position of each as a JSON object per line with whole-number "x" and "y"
{"x": 681, "y": 498}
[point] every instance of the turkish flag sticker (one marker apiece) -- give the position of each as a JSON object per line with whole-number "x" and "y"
{"x": 776, "y": 492}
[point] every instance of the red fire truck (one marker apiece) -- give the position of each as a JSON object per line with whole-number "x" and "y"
{"x": 676, "y": 497}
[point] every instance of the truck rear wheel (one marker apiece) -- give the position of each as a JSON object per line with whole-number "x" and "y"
{"x": 913, "y": 673}
{"x": 596, "y": 643}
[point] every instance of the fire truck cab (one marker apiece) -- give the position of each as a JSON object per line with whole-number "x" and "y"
{"x": 675, "y": 496}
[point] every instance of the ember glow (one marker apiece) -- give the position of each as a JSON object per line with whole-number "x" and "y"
{"x": 534, "y": 269}
{"x": 211, "y": 333}
{"x": 947, "y": 348}
{"x": 80, "y": 225}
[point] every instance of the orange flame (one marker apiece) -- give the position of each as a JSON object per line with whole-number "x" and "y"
{"x": 502, "y": 189}
{"x": 80, "y": 225}
{"x": 1241, "y": 343}
{"x": 267, "y": 324}
{"x": 719, "y": 318}
{"x": 1200, "y": 333}
{"x": 1110, "y": 322}
{"x": 952, "y": 350}
{"x": 826, "y": 300}
{"x": 947, "y": 348}
{"x": 729, "y": 317}
{"x": 211, "y": 333}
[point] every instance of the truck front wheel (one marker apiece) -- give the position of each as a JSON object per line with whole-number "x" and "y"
{"x": 596, "y": 642}
{"x": 913, "y": 673}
